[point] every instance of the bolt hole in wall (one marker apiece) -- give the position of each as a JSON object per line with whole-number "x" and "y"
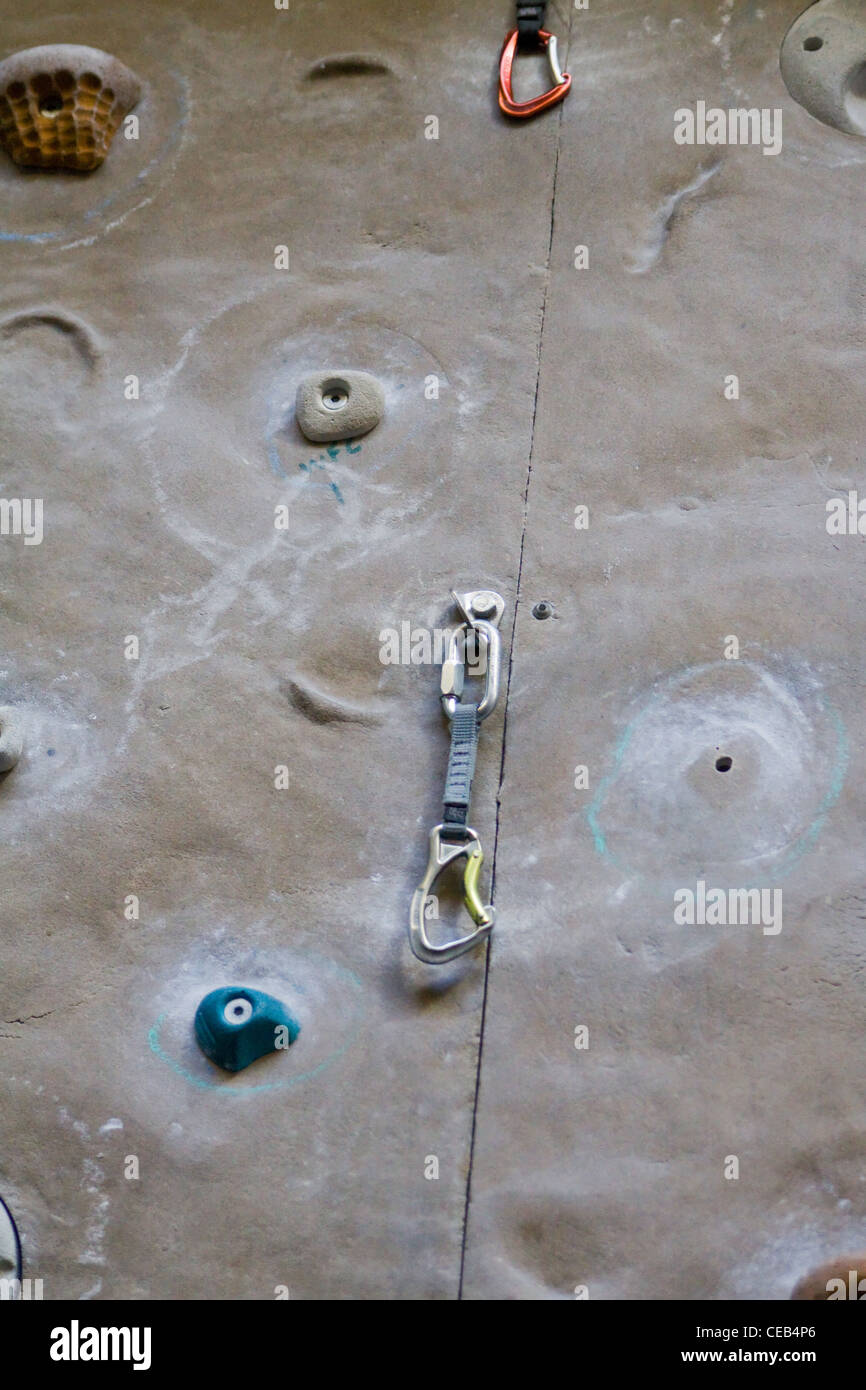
{"x": 543, "y": 610}
{"x": 724, "y": 764}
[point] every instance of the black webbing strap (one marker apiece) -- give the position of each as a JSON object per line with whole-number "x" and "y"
{"x": 465, "y": 728}
{"x": 530, "y": 18}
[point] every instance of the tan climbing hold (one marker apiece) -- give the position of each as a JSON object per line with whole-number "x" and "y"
{"x": 338, "y": 405}
{"x": 11, "y": 737}
{"x": 61, "y": 104}
{"x": 836, "y": 1280}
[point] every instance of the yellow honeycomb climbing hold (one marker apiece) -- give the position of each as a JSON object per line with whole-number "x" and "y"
{"x": 61, "y": 104}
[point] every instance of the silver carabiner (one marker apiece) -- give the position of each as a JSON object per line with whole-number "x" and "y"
{"x": 454, "y": 667}
{"x": 443, "y": 853}
{"x": 482, "y": 611}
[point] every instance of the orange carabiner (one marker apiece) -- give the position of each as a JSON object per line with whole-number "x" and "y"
{"x": 561, "y": 80}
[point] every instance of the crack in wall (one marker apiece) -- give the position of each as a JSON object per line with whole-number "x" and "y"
{"x": 530, "y": 453}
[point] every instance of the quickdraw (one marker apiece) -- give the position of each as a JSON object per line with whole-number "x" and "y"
{"x": 453, "y": 838}
{"x": 527, "y": 36}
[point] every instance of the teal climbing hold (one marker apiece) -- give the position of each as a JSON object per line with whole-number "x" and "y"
{"x": 235, "y": 1026}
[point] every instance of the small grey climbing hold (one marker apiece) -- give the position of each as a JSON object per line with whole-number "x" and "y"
{"x": 823, "y": 63}
{"x": 338, "y": 405}
{"x": 11, "y": 737}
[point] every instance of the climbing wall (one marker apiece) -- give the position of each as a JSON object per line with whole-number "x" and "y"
{"x": 620, "y": 379}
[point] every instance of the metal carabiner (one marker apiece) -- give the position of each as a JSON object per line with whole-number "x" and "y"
{"x": 443, "y": 853}
{"x": 453, "y": 839}
{"x": 561, "y": 80}
{"x": 454, "y": 668}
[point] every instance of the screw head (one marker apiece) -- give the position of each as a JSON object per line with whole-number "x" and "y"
{"x": 484, "y": 603}
{"x": 542, "y": 610}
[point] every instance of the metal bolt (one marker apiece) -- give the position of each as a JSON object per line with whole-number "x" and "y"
{"x": 484, "y": 604}
{"x": 543, "y": 610}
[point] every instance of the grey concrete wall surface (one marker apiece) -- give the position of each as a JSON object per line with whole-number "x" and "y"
{"x": 620, "y": 1102}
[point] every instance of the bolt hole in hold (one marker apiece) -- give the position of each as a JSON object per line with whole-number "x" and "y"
{"x": 724, "y": 764}
{"x": 335, "y": 395}
{"x": 51, "y": 104}
{"x": 543, "y": 610}
{"x": 812, "y": 44}
{"x": 238, "y": 1011}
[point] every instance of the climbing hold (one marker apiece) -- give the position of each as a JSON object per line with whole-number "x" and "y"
{"x": 10, "y": 1246}
{"x": 823, "y": 63}
{"x": 338, "y": 405}
{"x": 61, "y": 104}
{"x": 235, "y": 1026}
{"x": 11, "y": 737}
